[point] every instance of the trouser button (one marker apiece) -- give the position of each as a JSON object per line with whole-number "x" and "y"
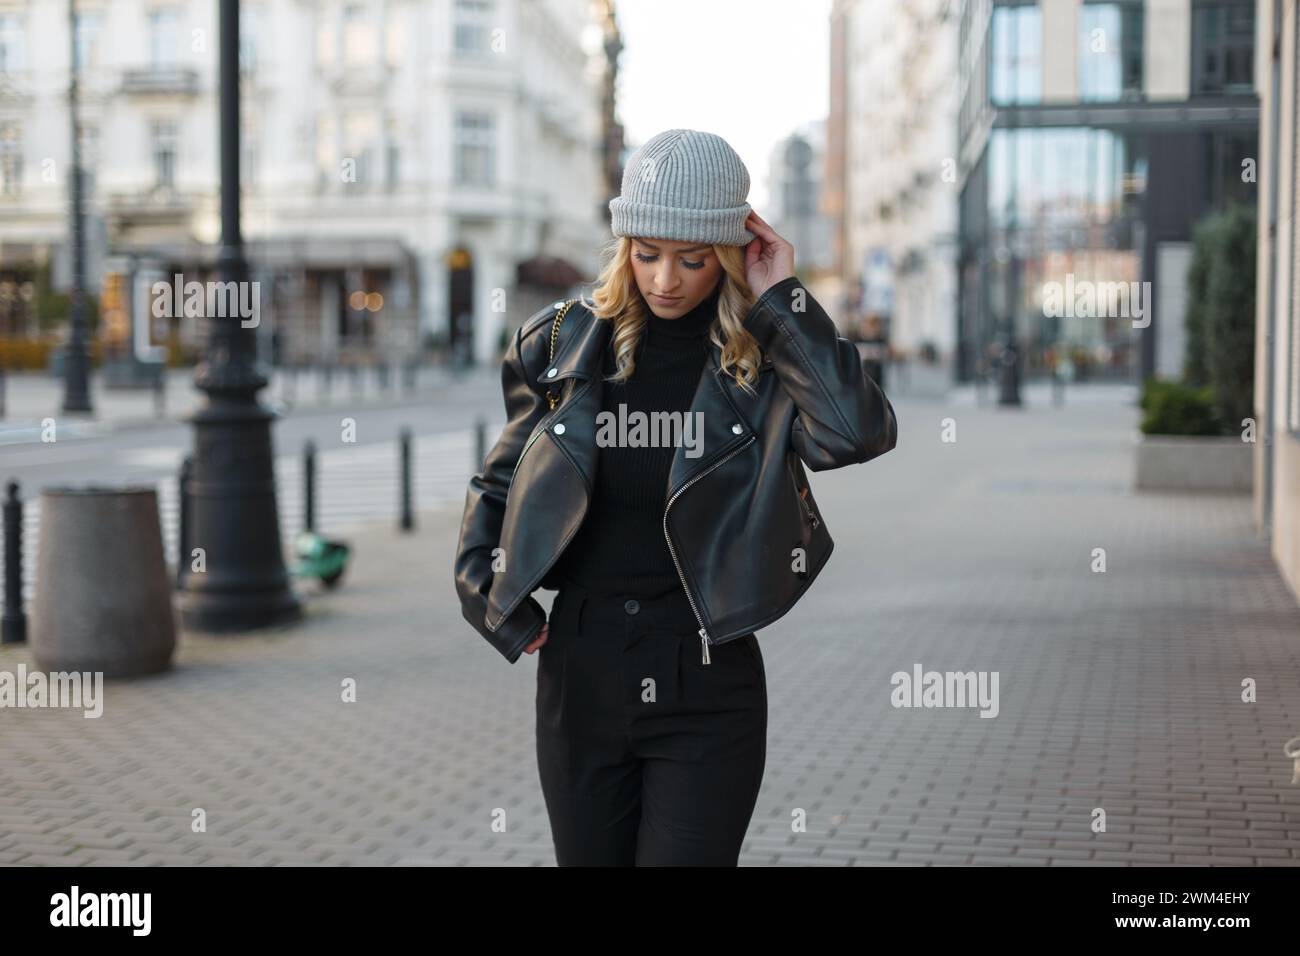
{"x": 632, "y": 607}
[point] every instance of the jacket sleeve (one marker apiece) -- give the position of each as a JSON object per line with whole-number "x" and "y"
{"x": 485, "y": 506}
{"x": 843, "y": 417}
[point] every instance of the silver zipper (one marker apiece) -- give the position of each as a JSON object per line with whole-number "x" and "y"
{"x": 703, "y": 632}
{"x": 541, "y": 429}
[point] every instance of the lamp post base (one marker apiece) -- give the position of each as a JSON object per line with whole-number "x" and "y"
{"x": 235, "y": 578}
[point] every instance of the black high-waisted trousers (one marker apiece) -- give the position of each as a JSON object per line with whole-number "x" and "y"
{"x": 647, "y": 755}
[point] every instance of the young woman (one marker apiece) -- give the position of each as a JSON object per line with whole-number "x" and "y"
{"x": 651, "y": 471}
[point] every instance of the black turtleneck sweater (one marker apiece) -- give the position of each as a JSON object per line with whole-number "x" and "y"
{"x": 620, "y": 548}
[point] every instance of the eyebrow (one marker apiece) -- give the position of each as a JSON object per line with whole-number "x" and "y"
{"x": 651, "y": 245}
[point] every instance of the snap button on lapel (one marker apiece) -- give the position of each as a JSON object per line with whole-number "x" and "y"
{"x": 736, "y": 428}
{"x": 550, "y": 373}
{"x": 559, "y": 428}
{"x": 557, "y": 305}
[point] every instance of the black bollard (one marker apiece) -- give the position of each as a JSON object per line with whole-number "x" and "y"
{"x": 160, "y": 393}
{"x": 1009, "y": 376}
{"x": 480, "y": 443}
{"x": 408, "y": 520}
{"x": 309, "y": 486}
{"x": 13, "y": 624}
{"x": 182, "y": 525}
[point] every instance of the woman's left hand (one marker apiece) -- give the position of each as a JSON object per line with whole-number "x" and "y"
{"x": 768, "y": 258}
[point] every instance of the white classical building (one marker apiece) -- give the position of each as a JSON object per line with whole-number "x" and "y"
{"x": 428, "y": 167}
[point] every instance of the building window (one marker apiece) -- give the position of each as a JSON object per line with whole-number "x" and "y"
{"x": 11, "y": 158}
{"x": 473, "y": 26}
{"x": 250, "y": 28}
{"x": 324, "y": 40}
{"x": 164, "y": 37}
{"x": 165, "y": 138}
{"x": 88, "y": 27}
{"x": 1016, "y": 63}
{"x": 392, "y": 153}
{"x": 361, "y": 144}
{"x": 394, "y": 40}
{"x": 1110, "y": 51}
{"x": 11, "y": 43}
{"x": 250, "y": 149}
{"x": 89, "y": 150}
{"x": 475, "y": 148}
{"x": 1223, "y": 49}
{"x": 326, "y": 165}
{"x": 359, "y": 39}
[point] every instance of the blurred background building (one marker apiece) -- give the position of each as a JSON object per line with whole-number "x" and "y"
{"x": 1091, "y": 137}
{"x": 795, "y": 174}
{"x": 416, "y": 172}
{"x": 890, "y": 167}
{"x": 796, "y": 179}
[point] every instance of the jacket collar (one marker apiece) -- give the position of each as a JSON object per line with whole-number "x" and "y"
{"x": 580, "y": 356}
{"x": 719, "y": 401}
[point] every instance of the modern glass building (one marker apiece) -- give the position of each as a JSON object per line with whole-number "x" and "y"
{"x": 1092, "y": 137}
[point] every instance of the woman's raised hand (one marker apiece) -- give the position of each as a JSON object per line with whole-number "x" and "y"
{"x": 768, "y": 258}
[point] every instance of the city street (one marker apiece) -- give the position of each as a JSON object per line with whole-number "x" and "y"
{"x": 357, "y": 482}
{"x": 1119, "y": 691}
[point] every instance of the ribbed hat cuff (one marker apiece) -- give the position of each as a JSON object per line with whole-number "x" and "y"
{"x": 724, "y": 226}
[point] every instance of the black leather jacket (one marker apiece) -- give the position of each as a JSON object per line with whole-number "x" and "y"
{"x": 740, "y": 519}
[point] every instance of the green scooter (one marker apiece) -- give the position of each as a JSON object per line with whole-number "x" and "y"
{"x": 320, "y": 557}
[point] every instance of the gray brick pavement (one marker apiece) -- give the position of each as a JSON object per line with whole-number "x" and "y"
{"x": 1117, "y": 690}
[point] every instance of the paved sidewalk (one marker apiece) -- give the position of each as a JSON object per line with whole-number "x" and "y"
{"x": 1118, "y": 691}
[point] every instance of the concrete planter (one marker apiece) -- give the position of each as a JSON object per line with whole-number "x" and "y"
{"x": 103, "y": 597}
{"x": 1194, "y": 463}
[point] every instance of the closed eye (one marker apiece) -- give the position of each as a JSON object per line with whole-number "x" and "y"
{"x": 641, "y": 257}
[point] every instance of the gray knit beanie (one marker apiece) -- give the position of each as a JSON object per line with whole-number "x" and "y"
{"x": 686, "y": 185}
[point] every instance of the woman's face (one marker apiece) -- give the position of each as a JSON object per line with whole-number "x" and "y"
{"x": 674, "y": 277}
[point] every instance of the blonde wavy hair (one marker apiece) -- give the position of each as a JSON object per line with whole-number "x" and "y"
{"x": 616, "y": 298}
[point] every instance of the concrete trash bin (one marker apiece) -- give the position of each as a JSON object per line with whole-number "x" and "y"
{"x": 103, "y": 597}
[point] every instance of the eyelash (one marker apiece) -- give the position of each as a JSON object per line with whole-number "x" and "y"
{"x": 689, "y": 265}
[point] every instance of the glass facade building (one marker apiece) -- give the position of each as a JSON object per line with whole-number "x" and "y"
{"x": 1080, "y": 164}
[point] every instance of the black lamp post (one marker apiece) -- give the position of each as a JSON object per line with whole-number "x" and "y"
{"x": 233, "y": 515}
{"x": 76, "y": 362}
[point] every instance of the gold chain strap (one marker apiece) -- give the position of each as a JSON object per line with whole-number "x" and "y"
{"x": 552, "y": 394}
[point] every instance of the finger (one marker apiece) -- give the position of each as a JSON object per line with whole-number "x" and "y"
{"x": 759, "y": 227}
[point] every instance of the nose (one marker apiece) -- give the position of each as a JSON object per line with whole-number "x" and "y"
{"x": 666, "y": 277}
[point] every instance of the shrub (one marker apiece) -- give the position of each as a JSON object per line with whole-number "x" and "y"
{"x": 1175, "y": 408}
{"x": 1221, "y": 312}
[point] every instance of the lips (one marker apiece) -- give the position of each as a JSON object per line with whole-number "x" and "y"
{"x": 666, "y": 299}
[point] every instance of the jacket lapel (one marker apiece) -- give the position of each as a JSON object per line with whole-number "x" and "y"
{"x": 712, "y": 407}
